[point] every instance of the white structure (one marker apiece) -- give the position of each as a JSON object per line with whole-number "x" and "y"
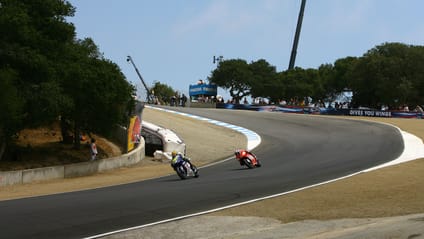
{"x": 169, "y": 140}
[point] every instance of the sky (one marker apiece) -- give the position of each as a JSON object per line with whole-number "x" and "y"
{"x": 174, "y": 41}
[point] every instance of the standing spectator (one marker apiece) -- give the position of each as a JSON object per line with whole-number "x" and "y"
{"x": 137, "y": 140}
{"x": 183, "y": 100}
{"x": 418, "y": 109}
{"x": 173, "y": 100}
{"x": 178, "y": 100}
{"x": 93, "y": 149}
{"x": 405, "y": 108}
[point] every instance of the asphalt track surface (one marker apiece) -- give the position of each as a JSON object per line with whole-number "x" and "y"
{"x": 296, "y": 151}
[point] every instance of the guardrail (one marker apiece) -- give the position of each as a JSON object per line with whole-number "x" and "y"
{"x": 72, "y": 170}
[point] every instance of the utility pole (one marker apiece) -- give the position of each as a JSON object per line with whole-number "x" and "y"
{"x": 296, "y": 36}
{"x": 149, "y": 96}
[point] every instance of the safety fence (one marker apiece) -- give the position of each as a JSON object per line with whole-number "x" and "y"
{"x": 324, "y": 111}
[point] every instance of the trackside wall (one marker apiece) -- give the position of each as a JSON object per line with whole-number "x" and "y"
{"x": 72, "y": 170}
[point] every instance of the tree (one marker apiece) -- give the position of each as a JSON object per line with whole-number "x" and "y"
{"x": 10, "y": 104}
{"x": 415, "y": 63}
{"x": 235, "y": 76}
{"x": 387, "y": 75}
{"x": 336, "y": 78}
{"x": 46, "y": 72}
{"x": 33, "y": 35}
{"x": 298, "y": 84}
{"x": 163, "y": 92}
{"x": 98, "y": 96}
{"x": 326, "y": 74}
{"x": 264, "y": 82}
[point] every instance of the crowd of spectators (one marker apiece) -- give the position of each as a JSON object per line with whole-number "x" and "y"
{"x": 175, "y": 100}
{"x": 178, "y": 100}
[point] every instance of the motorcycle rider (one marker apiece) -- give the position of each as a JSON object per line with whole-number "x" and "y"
{"x": 241, "y": 153}
{"x": 177, "y": 156}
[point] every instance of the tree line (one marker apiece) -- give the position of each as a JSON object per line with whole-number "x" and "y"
{"x": 390, "y": 75}
{"x": 47, "y": 73}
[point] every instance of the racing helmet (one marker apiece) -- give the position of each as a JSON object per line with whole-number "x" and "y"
{"x": 174, "y": 153}
{"x": 240, "y": 153}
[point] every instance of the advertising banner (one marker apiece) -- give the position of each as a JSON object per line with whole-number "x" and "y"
{"x": 133, "y": 133}
{"x": 202, "y": 89}
{"x": 324, "y": 111}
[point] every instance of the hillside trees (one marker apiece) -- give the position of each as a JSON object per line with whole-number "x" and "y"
{"x": 47, "y": 73}
{"x": 99, "y": 97}
{"x": 32, "y": 34}
{"x": 10, "y": 103}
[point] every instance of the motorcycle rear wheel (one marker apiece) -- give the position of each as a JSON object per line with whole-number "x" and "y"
{"x": 196, "y": 171}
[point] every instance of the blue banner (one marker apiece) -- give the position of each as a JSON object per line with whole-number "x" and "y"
{"x": 203, "y": 89}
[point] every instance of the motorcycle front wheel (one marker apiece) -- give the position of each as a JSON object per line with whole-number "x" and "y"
{"x": 181, "y": 172}
{"x": 248, "y": 162}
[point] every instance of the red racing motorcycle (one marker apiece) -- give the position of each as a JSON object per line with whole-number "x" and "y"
{"x": 247, "y": 158}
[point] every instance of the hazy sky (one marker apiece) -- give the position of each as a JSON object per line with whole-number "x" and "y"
{"x": 174, "y": 41}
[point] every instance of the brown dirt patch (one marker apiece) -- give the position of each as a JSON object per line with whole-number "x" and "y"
{"x": 43, "y": 147}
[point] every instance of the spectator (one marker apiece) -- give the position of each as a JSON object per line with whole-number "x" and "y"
{"x": 93, "y": 149}
{"x": 137, "y": 139}
{"x": 173, "y": 100}
{"x": 405, "y": 108}
{"x": 418, "y": 109}
{"x": 183, "y": 100}
{"x": 282, "y": 102}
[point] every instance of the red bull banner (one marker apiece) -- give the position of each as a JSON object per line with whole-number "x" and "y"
{"x": 133, "y": 133}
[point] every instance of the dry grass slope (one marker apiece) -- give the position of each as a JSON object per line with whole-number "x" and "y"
{"x": 43, "y": 147}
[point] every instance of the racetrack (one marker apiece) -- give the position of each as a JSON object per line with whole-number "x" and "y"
{"x": 296, "y": 151}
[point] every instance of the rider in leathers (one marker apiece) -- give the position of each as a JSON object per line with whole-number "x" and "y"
{"x": 174, "y": 160}
{"x": 241, "y": 153}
